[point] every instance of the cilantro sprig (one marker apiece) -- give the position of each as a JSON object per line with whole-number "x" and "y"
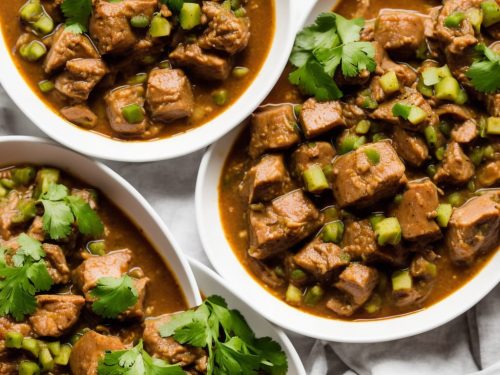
{"x": 484, "y": 73}
{"x": 331, "y": 41}
{"x": 135, "y": 361}
{"x": 20, "y": 282}
{"x": 231, "y": 344}
{"x": 113, "y": 296}
{"x": 77, "y": 14}
{"x": 62, "y": 210}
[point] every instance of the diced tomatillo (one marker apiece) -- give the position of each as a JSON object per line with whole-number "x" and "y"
{"x": 388, "y": 231}
{"x": 190, "y": 15}
{"x": 401, "y": 280}
{"x": 314, "y": 179}
{"x": 333, "y": 232}
{"x": 443, "y": 214}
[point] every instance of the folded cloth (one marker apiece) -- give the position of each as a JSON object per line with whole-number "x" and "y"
{"x": 468, "y": 344}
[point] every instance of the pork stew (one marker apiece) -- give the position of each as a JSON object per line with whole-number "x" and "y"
{"x": 368, "y": 185}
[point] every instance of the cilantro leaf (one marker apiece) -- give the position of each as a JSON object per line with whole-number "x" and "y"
{"x": 177, "y": 321}
{"x": 349, "y": 30}
{"x": 28, "y": 247}
{"x": 275, "y": 360}
{"x": 77, "y": 14}
{"x": 89, "y": 223}
{"x": 57, "y": 219}
{"x": 484, "y": 73}
{"x": 357, "y": 56}
{"x": 55, "y": 192}
{"x": 322, "y": 33}
{"x": 194, "y": 333}
{"x": 312, "y": 80}
{"x": 135, "y": 361}
{"x": 113, "y": 296}
{"x": 233, "y": 357}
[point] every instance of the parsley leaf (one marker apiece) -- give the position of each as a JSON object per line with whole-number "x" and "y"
{"x": 135, "y": 361}
{"x": 28, "y": 247}
{"x": 113, "y": 296}
{"x": 87, "y": 219}
{"x": 77, "y": 14}
{"x": 484, "y": 73}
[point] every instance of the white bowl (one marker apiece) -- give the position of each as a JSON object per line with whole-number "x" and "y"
{"x": 289, "y": 15}
{"x": 38, "y": 151}
{"x": 277, "y": 311}
{"x": 214, "y": 284}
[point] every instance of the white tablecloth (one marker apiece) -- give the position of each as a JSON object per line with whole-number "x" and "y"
{"x": 466, "y": 345}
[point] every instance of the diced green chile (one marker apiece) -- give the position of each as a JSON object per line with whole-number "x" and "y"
{"x": 491, "y": 12}
{"x": 33, "y": 51}
{"x": 133, "y": 113}
{"x": 314, "y": 295}
{"x": 190, "y": 16}
{"x": 454, "y": 20}
{"x": 159, "y": 26}
{"x": 401, "y": 280}
{"x": 388, "y": 231}
{"x": 314, "y": 179}
{"x": 443, "y": 214}
{"x": 333, "y": 232}
{"x": 140, "y": 21}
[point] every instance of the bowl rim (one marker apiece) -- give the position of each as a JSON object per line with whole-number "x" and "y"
{"x": 227, "y": 264}
{"x": 92, "y": 144}
{"x": 172, "y": 255}
{"x": 287, "y": 345}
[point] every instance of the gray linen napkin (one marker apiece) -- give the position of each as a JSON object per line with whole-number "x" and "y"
{"x": 466, "y": 345}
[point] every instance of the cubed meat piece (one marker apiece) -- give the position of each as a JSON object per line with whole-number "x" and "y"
{"x": 225, "y": 31}
{"x": 137, "y": 311}
{"x": 265, "y": 273}
{"x": 456, "y": 168}
{"x": 266, "y": 180}
{"x": 285, "y": 222}
{"x": 9, "y": 325}
{"x": 421, "y": 268}
{"x": 358, "y": 282}
{"x": 89, "y": 350}
{"x": 411, "y": 147}
{"x": 414, "y": 296}
{"x": 309, "y": 154}
{"x": 400, "y": 33}
{"x": 319, "y": 117}
{"x": 341, "y": 305}
{"x": 359, "y": 239}
{"x": 408, "y": 97}
{"x": 465, "y": 132}
{"x": 121, "y": 97}
{"x": 489, "y": 174}
{"x": 406, "y": 75}
{"x": 203, "y": 64}
{"x": 274, "y": 128}
{"x": 80, "y": 78}
{"x": 169, "y": 95}
{"x": 417, "y": 210}
{"x": 56, "y": 314}
{"x": 139, "y": 7}
{"x": 80, "y": 115}
{"x": 320, "y": 258}
{"x": 8, "y": 213}
{"x": 110, "y": 28}
{"x": 352, "y": 114}
{"x": 67, "y": 45}
{"x": 56, "y": 264}
{"x": 455, "y": 112}
{"x": 113, "y": 264}
{"x": 167, "y": 348}
{"x": 493, "y": 104}
{"x": 360, "y": 182}
{"x": 36, "y": 230}
{"x": 474, "y": 228}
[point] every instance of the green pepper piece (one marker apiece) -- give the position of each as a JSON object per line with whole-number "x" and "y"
{"x": 443, "y": 211}
{"x": 140, "y": 21}
{"x": 220, "y": 97}
{"x": 389, "y": 82}
{"x": 333, "y": 232}
{"x": 388, "y": 231}
{"x": 190, "y": 15}
{"x": 44, "y": 25}
{"x": 159, "y": 26}
{"x": 33, "y": 51}
{"x": 454, "y": 20}
{"x": 313, "y": 295}
{"x": 62, "y": 358}
{"x": 314, "y": 179}
{"x": 491, "y": 12}
{"x": 133, "y": 113}
{"x": 363, "y": 127}
{"x": 447, "y": 89}
{"x": 28, "y": 368}
{"x": 13, "y": 340}
{"x": 493, "y": 125}
{"x": 401, "y": 280}
{"x": 31, "y": 345}
{"x": 293, "y": 295}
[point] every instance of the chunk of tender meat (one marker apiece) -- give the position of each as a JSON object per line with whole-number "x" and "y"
{"x": 36, "y": 230}
{"x": 320, "y": 258}
{"x": 167, "y": 348}
{"x": 273, "y": 129}
{"x": 137, "y": 311}
{"x": 309, "y": 154}
{"x": 410, "y": 97}
{"x": 493, "y": 104}
{"x": 406, "y": 75}
{"x": 421, "y": 268}
{"x": 67, "y": 45}
{"x": 225, "y": 31}
{"x": 8, "y": 325}
{"x": 80, "y": 78}
{"x": 56, "y": 314}
{"x": 113, "y": 264}
{"x": 455, "y": 111}
{"x": 358, "y": 281}
{"x": 80, "y": 115}
{"x": 456, "y": 168}
{"x": 352, "y": 114}
{"x": 341, "y": 305}
{"x": 285, "y": 222}
{"x": 411, "y": 147}
{"x": 465, "y": 132}
{"x": 401, "y": 33}
{"x": 489, "y": 174}
{"x": 87, "y": 195}
{"x": 8, "y": 213}
{"x": 56, "y": 264}
{"x": 201, "y": 63}
{"x": 417, "y": 210}
{"x": 319, "y": 117}
{"x": 89, "y": 350}
{"x": 169, "y": 95}
{"x": 265, "y": 273}
{"x": 359, "y": 239}
{"x": 474, "y": 228}
{"x": 266, "y": 180}
{"x": 117, "y": 99}
{"x": 357, "y": 182}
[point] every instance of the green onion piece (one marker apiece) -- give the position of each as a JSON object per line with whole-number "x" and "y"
{"x": 31, "y": 345}
{"x": 313, "y": 295}
{"x": 417, "y": 115}
{"x": 375, "y": 219}
{"x": 389, "y": 82}
{"x": 347, "y": 143}
{"x": 331, "y": 213}
{"x": 388, "y": 231}
{"x": 13, "y": 340}
{"x": 44, "y": 25}
{"x": 431, "y": 75}
{"x": 240, "y": 71}
{"x": 491, "y": 12}
{"x": 46, "y": 359}
{"x": 372, "y": 155}
{"x": 140, "y": 21}
{"x": 54, "y": 347}
{"x": 133, "y": 113}
{"x": 431, "y": 136}
{"x": 493, "y": 125}
{"x": 333, "y": 232}
{"x": 33, "y": 51}
{"x": 454, "y": 19}
{"x": 423, "y": 89}
{"x": 28, "y": 368}
{"x": 314, "y": 179}
{"x": 46, "y": 86}
{"x": 190, "y": 16}
{"x": 97, "y": 247}
{"x": 374, "y": 304}
{"x": 440, "y": 153}
{"x": 475, "y": 17}
{"x": 462, "y": 97}
{"x": 444, "y": 128}
{"x": 476, "y": 156}
{"x": 447, "y": 89}
{"x": 443, "y": 212}
{"x": 293, "y": 295}
{"x": 31, "y": 11}
{"x": 138, "y": 79}
{"x": 363, "y": 127}
{"x": 401, "y": 280}
{"x": 62, "y": 358}
{"x": 159, "y": 26}
{"x": 220, "y": 97}
{"x": 298, "y": 275}
{"x": 23, "y": 176}
{"x": 455, "y": 199}
{"x": 401, "y": 110}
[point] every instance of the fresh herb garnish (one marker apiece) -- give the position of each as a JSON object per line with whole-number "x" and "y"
{"x": 113, "y": 296}
{"x": 174, "y": 5}
{"x": 63, "y": 210}
{"x": 77, "y": 14}
{"x": 28, "y": 247}
{"x": 231, "y": 344}
{"x": 319, "y": 49}
{"x": 484, "y": 73}
{"x": 135, "y": 361}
